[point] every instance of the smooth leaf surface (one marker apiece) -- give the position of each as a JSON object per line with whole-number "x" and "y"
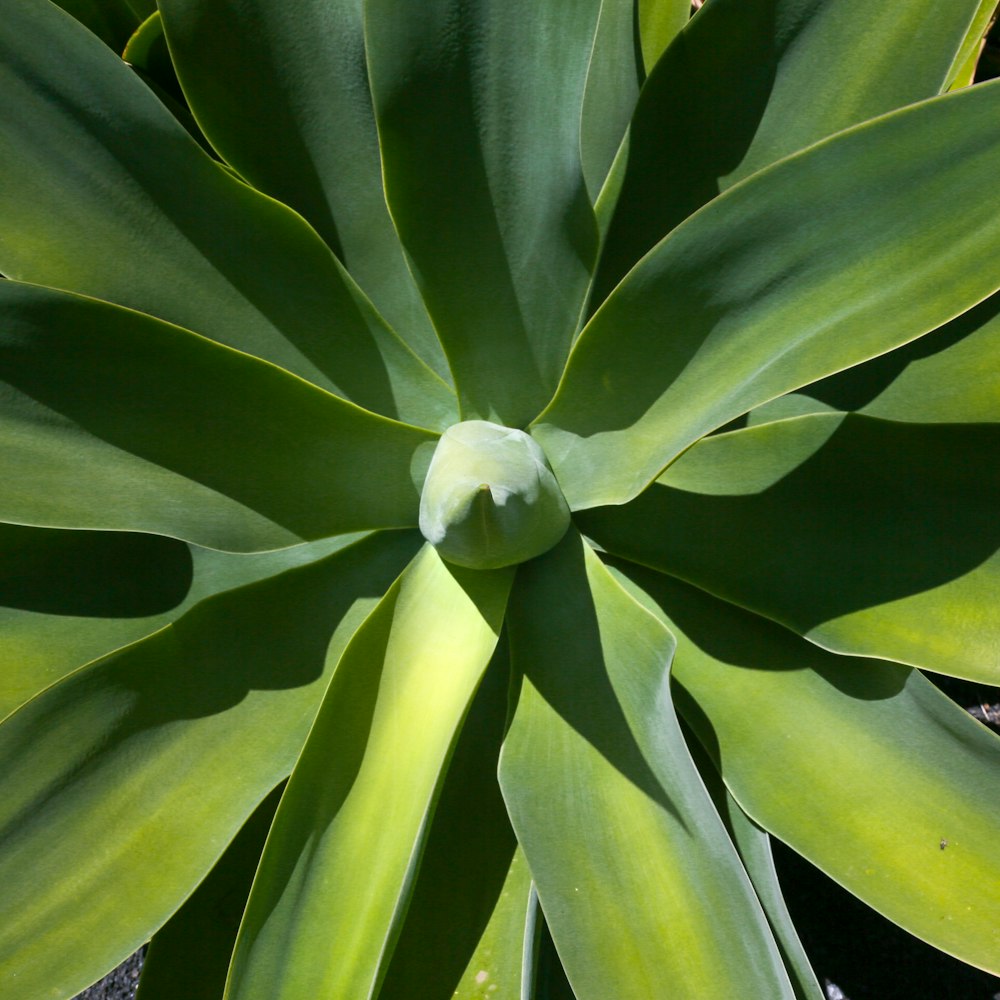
{"x": 68, "y": 597}
{"x": 659, "y": 21}
{"x": 863, "y": 767}
{"x": 949, "y": 376}
{"x": 189, "y": 956}
{"x": 111, "y": 419}
{"x": 334, "y": 881}
{"x": 963, "y": 69}
{"x": 613, "y": 80}
{"x": 463, "y": 934}
{"x": 113, "y": 21}
{"x": 754, "y": 847}
{"x": 298, "y": 82}
{"x": 640, "y": 884}
{"x": 866, "y": 536}
{"x": 478, "y": 108}
{"x": 750, "y": 81}
{"x": 820, "y": 262}
{"x": 186, "y": 241}
{"x": 99, "y": 769}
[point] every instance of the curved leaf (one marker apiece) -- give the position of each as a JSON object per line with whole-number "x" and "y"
{"x": 464, "y": 930}
{"x": 819, "y": 262}
{"x": 659, "y": 21}
{"x": 68, "y": 597}
{"x": 750, "y": 81}
{"x": 478, "y": 109}
{"x": 115, "y": 420}
{"x": 189, "y": 956}
{"x": 113, "y": 21}
{"x": 298, "y": 82}
{"x": 640, "y": 884}
{"x": 98, "y": 771}
{"x": 331, "y": 892}
{"x": 186, "y": 241}
{"x": 863, "y": 767}
{"x": 865, "y": 536}
{"x": 949, "y": 376}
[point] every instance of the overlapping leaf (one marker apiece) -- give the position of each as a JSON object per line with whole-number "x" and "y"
{"x": 867, "y": 536}
{"x": 821, "y": 261}
{"x": 99, "y": 771}
{"x": 871, "y": 773}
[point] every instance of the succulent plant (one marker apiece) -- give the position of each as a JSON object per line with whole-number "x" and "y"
{"x": 474, "y": 472}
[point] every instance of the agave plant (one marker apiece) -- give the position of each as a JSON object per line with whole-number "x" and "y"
{"x": 555, "y": 437}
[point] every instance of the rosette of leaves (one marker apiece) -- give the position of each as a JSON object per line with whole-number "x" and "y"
{"x": 731, "y": 281}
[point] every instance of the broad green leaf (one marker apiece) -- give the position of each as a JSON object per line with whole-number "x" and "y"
{"x": 613, "y": 80}
{"x": 113, "y": 21}
{"x": 750, "y": 81}
{"x": 478, "y": 108}
{"x": 866, "y": 536}
{"x": 544, "y": 976}
{"x": 819, "y": 262}
{"x": 464, "y": 930}
{"x": 863, "y": 767}
{"x": 641, "y": 887}
{"x": 114, "y": 420}
{"x": 189, "y": 956}
{"x": 754, "y": 846}
{"x": 949, "y": 376}
{"x": 105, "y": 194}
{"x": 98, "y": 771}
{"x": 659, "y": 23}
{"x": 333, "y": 885}
{"x": 68, "y": 597}
{"x": 297, "y": 82}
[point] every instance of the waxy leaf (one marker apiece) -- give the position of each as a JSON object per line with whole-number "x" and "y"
{"x": 333, "y": 885}
{"x": 99, "y": 769}
{"x": 750, "y": 81}
{"x": 478, "y": 108}
{"x": 821, "y": 261}
{"x": 185, "y": 240}
{"x": 189, "y": 956}
{"x": 464, "y": 930}
{"x": 114, "y": 420}
{"x": 866, "y": 536}
{"x": 863, "y": 767}
{"x": 297, "y": 82}
{"x": 640, "y": 884}
{"x": 68, "y": 597}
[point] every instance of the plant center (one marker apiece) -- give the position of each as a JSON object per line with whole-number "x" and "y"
{"x": 490, "y": 498}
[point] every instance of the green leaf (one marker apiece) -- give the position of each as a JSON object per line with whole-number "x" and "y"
{"x": 866, "y": 536}
{"x": 949, "y": 376}
{"x": 98, "y": 771}
{"x": 115, "y": 420}
{"x": 185, "y": 241}
{"x": 613, "y": 81}
{"x": 641, "y": 887}
{"x": 821, "y": 261}
{"x": 478, "y": 108}
{"x": 333, "y": 885}
{"x": 754, "y": 846}
{"x": 113, "y": 21}
{"x": 304, "y": 77}
{"x": 750, "y": 81}
{"x": 189, "y": 956}
{"x": 68, "y": 597}
{"x": 863, "y": 767}
{"x": 659, "y": 23}
{"x": 464, "y": 930}
{"x": 963, "y": 69}
{"x": 147, "y": 52}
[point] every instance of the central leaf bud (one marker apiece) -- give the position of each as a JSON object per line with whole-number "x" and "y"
{"x": 490, "y": 498}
